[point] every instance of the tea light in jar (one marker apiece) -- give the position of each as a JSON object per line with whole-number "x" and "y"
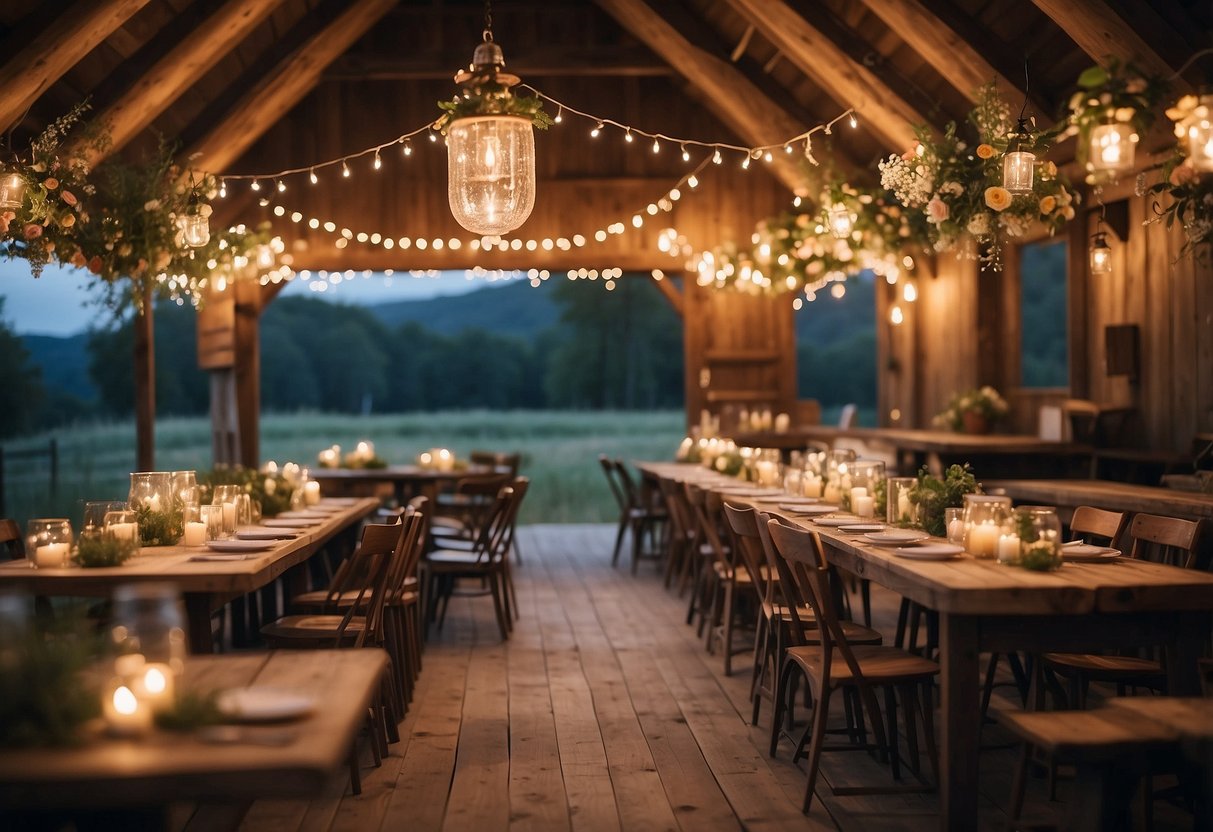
{"x": 311, "y": 492}
{"x": 195, "y": 534}
{"x": 1008, "y": 548}
{"x": 831, "y": 492}
{"x": 810, "y": 485}
{"x": 956, "y": 531}
{"x": 445, "y": 459}
{"x": 767, "y": 471}
{"x": 903, "y": 505}
{"x": 50, "y": 555}
{"x": 123, "y": 531}
{"x": 154, "y": 688}
{"x": 152, "y": 503}
{"x": 983, "y": 540}
{"x": 125, "y": 715}
{"x": 857, "y": 492}
{"x": 863, "y": 505}
{"x": 229, "y": 516}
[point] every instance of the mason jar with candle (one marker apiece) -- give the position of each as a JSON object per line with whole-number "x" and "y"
{"x": 152, "y": 498}
{"x": 48, "y": 542}
{"x": 185, "y": 486}
{"x": 868, "y": 488}
{"x": 96, "y": 511}
{"x": 768, "y": 467}
{"x": 227, "y": 496}
{"x": 983, "y": 519}
{"x": 148, "y": 633}
{"x": 1037, "y": 531}
{"x": 900, "y": 509}
{"x": 837, "y": 487}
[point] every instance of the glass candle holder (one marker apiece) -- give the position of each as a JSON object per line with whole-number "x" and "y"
{"x": 211, "y": 518}
{"x": 227, "y": 496}
{"x": 185, "y": 486}
{"x": 96, "y": 511}
{"x": 983, "y": 519}
{"x": 768, "y": 467}
{"x": 148, "y": 632}
{"x": 838, "y": 476}
{"x": 48, "y": 542}
{"x": 1035, "y": 534}
{"x": 194, "y": 530}
{"x": 122, "y": 525}
{"x": 900, "y": 510}
{"x": 867, "y": 492}
{"x": 153, "y": 499}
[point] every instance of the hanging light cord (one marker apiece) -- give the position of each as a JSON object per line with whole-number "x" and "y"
{"x": 488, "y": 21}
{"x": 1193, "y": 59}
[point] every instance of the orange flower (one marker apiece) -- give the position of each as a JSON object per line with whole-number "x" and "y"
{"x": 1047, "y": 204}
{"x": 95, "y": 264}
{"x": 51, "y": 183}
{"x": 984, "y": 151}
{"x": 78, "y": 259}
{"x": 68, "y": 197}
{"x": 32, "y": 231}
{"x": 998, "y": 198}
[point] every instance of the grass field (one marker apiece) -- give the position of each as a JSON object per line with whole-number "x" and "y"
{"x": 560, "y": 453}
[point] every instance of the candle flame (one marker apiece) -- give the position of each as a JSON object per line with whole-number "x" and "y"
{"x": 125, "y": 701}
{"x": 154, "y": 680}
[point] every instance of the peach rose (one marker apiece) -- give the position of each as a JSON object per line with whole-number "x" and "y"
{"x": 95, "y": 264}
{"x": 51, "y": 183}
{"x": 68, "y": 197}
{"x": 1047, "y": 204}
{"x": 32, "y": 231}
{"x": 984, "y": 151}
{"x": 68, "y": 221}
{"x": 937, "y": 210}
{"x": 78, "y": 259}
{"x": 998, "y": 198}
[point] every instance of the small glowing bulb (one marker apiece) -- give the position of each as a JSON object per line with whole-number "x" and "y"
{"x": 796, "y": 200}
{"x": 281, "y": 186}
{"x": 896, "y": 316}
{"x": 408, "y": 147}
{"x": 256, "y": 186}
{"x": 155, "y": 681}
{"x": 627, "y": 136}
{"x": 686, "y": 156}
{"x": 222, "y": 189}
{"x": 125, "y": 702}
{"x": 656, "y": 146}
{"x": 597, "y": 130}
{"x": 433, "y": 136}
{"x": 378, "y": 163}
{"x": 345, "y": 169}
{"x": 693, "y": 181}
{"x": 313, "y": 177}
{"x": 559, "y": 115}
{"x": 854, "y": 122}
{"x": 909, "y": 292}
{"x": 745, "y": 163}
{"x": 716, "y": 158}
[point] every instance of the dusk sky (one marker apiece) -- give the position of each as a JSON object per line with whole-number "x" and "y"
{"x": 58, "y": 303}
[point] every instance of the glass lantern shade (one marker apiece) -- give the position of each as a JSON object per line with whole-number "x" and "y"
{"x": 1113, "y": 148}
{"x": 491, "y": 170}
{"x": 1018, "y": 170}
{"x": 12, "y": 189}
{"x": 194, "y": 230}
{"x": 1101, "y": 255}
{"x": 841, "y": 221}
{"x": 1198, "y": 131}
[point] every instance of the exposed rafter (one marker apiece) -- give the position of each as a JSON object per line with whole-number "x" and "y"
{"x": 733, "y": 97}
{"x": 1101, "y": 32}
{"x": 959, "y": 62}
{"x": 847, "y": 81}
{"x": 176, "y": 72}
{"x": 271, "y": 99}
{"x": 576, "y": 61}
{"x": 57, "y": 49}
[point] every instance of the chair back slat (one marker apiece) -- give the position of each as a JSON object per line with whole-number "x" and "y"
{"x": 375, "y": 552}
{"x": 743, "y": 524}
{"x": 708, "y": 530}
{"x": 1170, "y": 540}
{"x": 11, "y": 539}
{"x": 630, "y": 490}
{"x": 785, "y": 590}
{"x": 681, "y": 524}
{"x": 608, "y": 468}
{"x": 1089, "y": 522}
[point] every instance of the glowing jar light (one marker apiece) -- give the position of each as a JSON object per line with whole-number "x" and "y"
{"x": 841, "y": 221}
{"x": 491, "y": 172}
{"x": 1101, "y": 254}
{"x": 1113, "y": 148}
{"x": 1019, "y": 162}
{"x": 1197, "y": 132}
{"x": 193, "y": 230}
{"x": 12, "y": 189}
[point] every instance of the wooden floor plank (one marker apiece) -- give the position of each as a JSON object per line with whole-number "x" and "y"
{"x": 480, "y": 795}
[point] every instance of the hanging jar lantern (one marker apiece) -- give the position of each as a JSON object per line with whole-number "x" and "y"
{"x": 12, "y": 189}
{"x": 1100, "y": 253}
{"x": 841, "y": 220}
{"x": 1113, "y": 148}
{"x": 1019, "y": 162}
{"x": 1196, "y": 130}
{"x": 194, "y": 226}
{"x": 491, "y": 154}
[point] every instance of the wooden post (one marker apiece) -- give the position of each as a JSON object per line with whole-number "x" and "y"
{"x": 145, "y": 385}
{"x": 248, "y": 372}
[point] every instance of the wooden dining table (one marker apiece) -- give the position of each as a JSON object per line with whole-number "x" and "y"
{"x": 286, "y": 759}
{"x": 406, "y": 481}
{"x": 206, "y": 585}
{"x": 1117, "y": 496}
{"x": 986, "y": 607}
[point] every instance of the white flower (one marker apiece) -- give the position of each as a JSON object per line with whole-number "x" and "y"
{"x": 151, "y": 205}
{"x": 979, "y": 226}
{"x": 270, "y": 486}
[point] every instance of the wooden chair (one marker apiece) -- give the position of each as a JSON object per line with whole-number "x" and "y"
{"x": 714, "y": 570}
{"x": 836, "y": 664}
{"x": 682, "y": 537}
{"x": 500, "y": 461}
{"x": 11, "y": 539}
{"x": 645, "y": 515}
{"x": 474, "y": 496}
{"x": 486, "y": 559}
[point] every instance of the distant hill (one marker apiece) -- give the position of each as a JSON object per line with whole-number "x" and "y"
{"x": 64, "y": 362}
{"x": 516, "y": 308}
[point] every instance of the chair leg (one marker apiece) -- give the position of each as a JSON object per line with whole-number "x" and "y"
{"x": 499, "y": 609}
{"x": 623, "y": 527}
{"x": 1019, "y": 783}
{"x": 355, "y": 770}
{"x": 637, "y": 543}
{"x": 730, "y": 593}
{"x": 760, "y": 661}
{"x": 890, "y": 707}
{"x": 820, "y": 714}
{"x": 909, "y": 696}
{"x": 779, "y": 705}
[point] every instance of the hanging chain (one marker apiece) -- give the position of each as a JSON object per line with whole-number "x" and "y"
{"x": 488, "y": 21}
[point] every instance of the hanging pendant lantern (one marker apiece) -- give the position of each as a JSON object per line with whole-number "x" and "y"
{"x": 1019, "y": 162}
{"x": 1113, "y": 148}
{"x": 1197, "y": 131}
{"x": 1100, "y": 254}
{"x": 841, "y": 221}
{"x": 12, "y": 189}
{"x": 490, "y": 155}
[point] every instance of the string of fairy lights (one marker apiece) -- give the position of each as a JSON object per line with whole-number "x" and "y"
{"x": 669, "y": 240}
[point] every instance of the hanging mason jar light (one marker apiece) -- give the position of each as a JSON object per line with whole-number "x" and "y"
{"x": 1019, "y": 162}
{"x": 1197, "y": 131}
{"x": 12, "y": 188}
{"x": 1100, "y": 253}
{"x": 841, "y": 220}
{"x": 194, "y": 225}
{"x": 490, "y": 154}
{"x": 1113, "y": 148}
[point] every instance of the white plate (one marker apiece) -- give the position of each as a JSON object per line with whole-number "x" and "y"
{"x": 800, "y": 501}
{"x": 836, "y": 522}
{"x": 1086, "y": 553}
{"x": 896, "y": 537}
{"x": 221, "y": 557}
{"x": 340, "y": 501}
{"x": 307, "y": 514}
{"x": 865, "y": 529}
{"x": 238, "y": 546}
{"x": 748, "y": 492}
{"x": 262, "y": 533}
{"x": 930, "y": 551}
{"x": 263, "y": 704}
{"x": 290, "y": 523}
{"x": 321, "y": 508}
{"x": 816, "y": 508}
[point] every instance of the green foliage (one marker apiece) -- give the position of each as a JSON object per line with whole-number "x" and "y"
{"x": 20, "y": 380}
{"x": 932, "y": 495}
{"x": 191, "y": 710}
{"x": 491, "y": 99}
{"x": 272, "y": 491}
{"x": 45, "y": 695}
{"x": 160, "y": 528}
{"x": 100, "y": 550}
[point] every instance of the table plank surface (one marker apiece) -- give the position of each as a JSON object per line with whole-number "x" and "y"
{"x": 166, "y": 767}
{"x": 1117, "y": 496}
{"x": 922, "y": 441}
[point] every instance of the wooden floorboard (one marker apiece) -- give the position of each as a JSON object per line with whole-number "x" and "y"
{"x": 604, "y": 712}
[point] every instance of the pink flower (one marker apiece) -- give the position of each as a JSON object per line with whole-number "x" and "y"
{"x": 32, "y": 231}
{"x": 68, "y": 197}
{"x": 937, "y": 210}
{"x": 78, "y": 258}
{"x": 95, "y": 264}
{"x": 51, "y": 183}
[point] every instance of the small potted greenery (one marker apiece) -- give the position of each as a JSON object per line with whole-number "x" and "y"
{"x": 932, "y": 495}
{"x": 973, "y": 411}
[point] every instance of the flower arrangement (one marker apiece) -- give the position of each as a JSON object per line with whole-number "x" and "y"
{"x": 1190, "y": 190}
{"x": 1114, "y": 93}
{"x": 801, "y": 251}
{"x": 973, "y": 411}
{"x": 272, "y": 488}
{"x": 932, "y": 495}
{"x": 730, "y": 462}
{"x": 957, "y": 186}
{"x": 491, "y": 99}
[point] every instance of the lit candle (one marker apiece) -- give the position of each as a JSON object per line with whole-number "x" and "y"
{"x": 903, "y": 505}
{"x": 154, "y": 687}
{"x": 311, "y": 492}
{"x": 782, "y": 423}
{"x": 1008, "y": 548}
{"x": 856, "y": 493}
{"x": 125, "y": 715}
{"x": 153, "y": 502}
{"x": 791, "y": 481}
{"x": 229, "y": 517}
{"x": 123, "y": 531}
{"x": 832, "y": 492}
{"x": 446, "y": 460}
{"x": 810, "y": 485}
{"x": 956, "y": 531}
{"x": 863, "y": 505}
{"x": 195, "y": 534}
{"x": 51, "y": 555}
{"x": 983, "y": 540}
{"x": 767, "y": 472}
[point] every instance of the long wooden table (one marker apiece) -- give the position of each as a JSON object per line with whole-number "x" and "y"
{"x": 1003, "y": 454}
{"x": 405, "y": 480}
{"x": 205, "y": 585}
{"x": 1118, "y": 496}
{"x": 984, "y": 607}
{"x": 282, "y": 760}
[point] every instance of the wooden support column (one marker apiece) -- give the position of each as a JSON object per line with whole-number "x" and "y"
{"x": 145, "y": 384}
{"x": 247, "y": 372}
{"x": 56, "y": 50}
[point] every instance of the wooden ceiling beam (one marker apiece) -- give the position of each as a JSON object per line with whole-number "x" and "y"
{"x": 177, "y": 71}
{"x": 274, "y": 96}
{"x": 751, "y": 114}
{"x": 1101, "y": 32}
{"x": 58, "y": 48}
{"x": 959, "y": 62}
{"x": 848, "y": 82}
{"x": 572, "y": 62}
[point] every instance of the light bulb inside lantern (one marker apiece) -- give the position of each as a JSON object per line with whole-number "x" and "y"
{"x": 1113, "y": 148}
{"x": 1018, "y": 171}
{"x": 193, "y": 230}
{"x": 1101, "y": 254}
{"x": 1199, "y": 133}
{"x": 491, "y": 164}
{"x": 841, "y": 221}
{"x": 12, "y": 189}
